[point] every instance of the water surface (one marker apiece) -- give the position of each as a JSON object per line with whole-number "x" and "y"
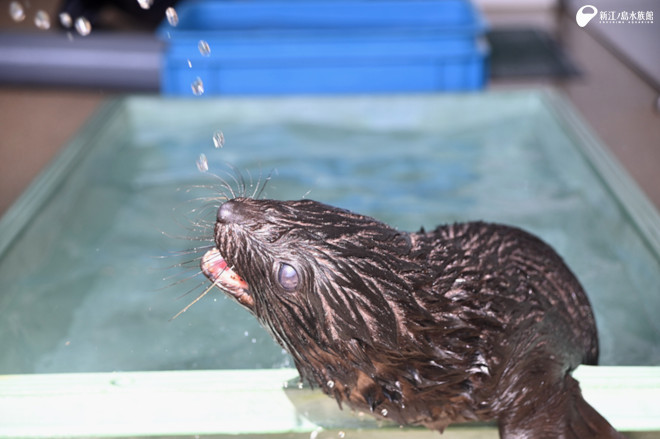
{"x": 82, "y": 288}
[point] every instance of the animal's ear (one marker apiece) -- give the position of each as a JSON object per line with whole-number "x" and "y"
{"x": 382, "y": 321}
{"x": 364, "y": 316}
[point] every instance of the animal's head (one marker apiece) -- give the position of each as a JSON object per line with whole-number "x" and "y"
{"x": 310, "y": 272}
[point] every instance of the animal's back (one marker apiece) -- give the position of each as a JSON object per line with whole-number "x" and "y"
{"x": 492, "y": 263}
{"x": 507, "y": 276}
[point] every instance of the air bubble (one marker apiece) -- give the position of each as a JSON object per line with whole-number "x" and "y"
{"x": 172, "y": 16}
{"x": 197, "y": 86}
{"x": 145, "y": 4}
{"x": 16, "y": 11}
{"x": 202, "y": 163}
{"x": 42, "y": 20}
{"x": 83, "y": 26}
{"x": 219, "y": 139}
{"x": 204, "y": 48}
{"x": 66, "y": 20}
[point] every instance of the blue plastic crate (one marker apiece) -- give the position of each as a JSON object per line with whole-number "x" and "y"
{"x": 322, "y": 46}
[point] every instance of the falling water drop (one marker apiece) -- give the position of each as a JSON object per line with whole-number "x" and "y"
{"x": 301, "y": 385}
{"x": 42, "y": 20}
{"x": 197, "y": 87}
{"x": 189, "y": 64}
{"x": 16, "y": 11}
{"x": 202, "y": 163}
{"x": 145, "y": 4}
{"x": 172, "y": 16}
{"x": 330, "y": 384}
{"x": 83, "y": 26}
{"x": 204, "y": 48}
{"x": 384, "y": 412}
{"x": 66, "y": 20}
{"x": 341, "y": 435}
{"x": 219, "y": 139}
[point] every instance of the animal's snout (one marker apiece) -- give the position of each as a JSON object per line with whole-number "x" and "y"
{"x": 230, "y": 212}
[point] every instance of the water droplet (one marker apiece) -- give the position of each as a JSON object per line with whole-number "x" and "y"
{"x": 285, "y": 384}
{"x": 315, "y": 434}
{"x": 83, "y": 26}
{"x": 66, "y": 20}
{"x": 189, "y": 64}
{"x": 246, "y": 333}
{"x": 330, "y": 384}
{"x": 219, "y": 139}
{"x": 16, "y": 11}
{"x": 384, "y": 412}
{"x": 254, "y": 340}
{"x": 145, "y": 4}
{"x": 202, "y": 163}
{"x": 341, "y": 434}
{"x": 172, "y": 16}
{"x": 197, "y": 86}
{"x": 301, "y": 385}
{"x": 204, "y": 48}
{"x": 42, "y": 20}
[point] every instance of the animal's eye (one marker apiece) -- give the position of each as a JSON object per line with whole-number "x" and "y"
{"x": 288, "y": 277}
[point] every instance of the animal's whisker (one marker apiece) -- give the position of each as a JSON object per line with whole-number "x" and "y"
{"x": 187, "y": 263}
{"x": 261, "y": 187}
{"x": 196, "y": 275}
{"x": 197, "y": 299}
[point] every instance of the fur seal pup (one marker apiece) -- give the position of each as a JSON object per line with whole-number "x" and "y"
{"x": 469, "y": 322}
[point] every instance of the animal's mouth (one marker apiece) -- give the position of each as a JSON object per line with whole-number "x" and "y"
{"x": 215, "y": 267}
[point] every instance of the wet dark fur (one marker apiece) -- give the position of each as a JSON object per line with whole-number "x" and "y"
{"x": 471, "y": 321}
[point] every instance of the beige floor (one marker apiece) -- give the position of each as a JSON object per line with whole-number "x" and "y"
{"x": 619, "y": 106}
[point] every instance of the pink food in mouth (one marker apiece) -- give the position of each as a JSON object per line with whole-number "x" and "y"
{"x": 215, "y": 267}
